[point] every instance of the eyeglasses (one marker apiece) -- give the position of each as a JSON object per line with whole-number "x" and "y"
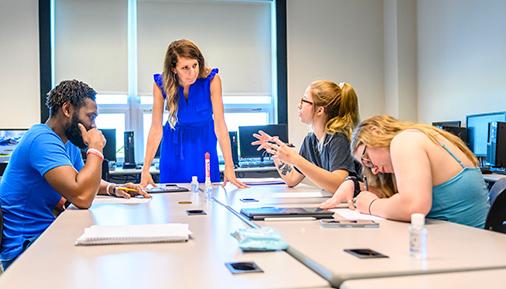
{"x": 365, "y": 161}
{"x": 302, "y": 100}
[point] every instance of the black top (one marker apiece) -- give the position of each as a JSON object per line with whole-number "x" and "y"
{"x": 333, "y": 155}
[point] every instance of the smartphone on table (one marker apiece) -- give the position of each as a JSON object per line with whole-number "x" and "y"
{"x": 332, "y": 223}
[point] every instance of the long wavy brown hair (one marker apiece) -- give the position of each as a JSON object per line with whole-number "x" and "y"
{"x": 179, "y": 48}
{"x": 378, "y": 131}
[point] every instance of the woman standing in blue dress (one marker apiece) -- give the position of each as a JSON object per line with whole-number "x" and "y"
{"x": 192, "y": 93}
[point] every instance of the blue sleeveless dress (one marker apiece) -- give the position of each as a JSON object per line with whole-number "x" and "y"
{"x": 182, "y": 152}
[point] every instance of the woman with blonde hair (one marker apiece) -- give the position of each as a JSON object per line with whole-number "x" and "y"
{"x": 331, "y": 111}
{"x": 192, "y": 95}
{"x": 415, "y": 168}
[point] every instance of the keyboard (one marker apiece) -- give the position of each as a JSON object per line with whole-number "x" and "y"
{"x": 255, "y": 163}
{"x": 500, "y": 171}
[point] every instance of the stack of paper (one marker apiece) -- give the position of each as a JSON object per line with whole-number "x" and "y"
{"x": 151, "y": 233}
{"x": 355, "y": 215}
{"x": 262, "y": 181}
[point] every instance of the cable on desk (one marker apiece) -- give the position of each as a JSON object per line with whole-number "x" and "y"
{"x": 239, "y": 215}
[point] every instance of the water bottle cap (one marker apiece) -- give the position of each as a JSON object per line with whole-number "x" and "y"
{"x": 417, "y": 219}
{"x": 194, "y": 179}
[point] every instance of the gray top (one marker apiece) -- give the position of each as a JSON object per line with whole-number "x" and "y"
{"x": 332, "y": 154}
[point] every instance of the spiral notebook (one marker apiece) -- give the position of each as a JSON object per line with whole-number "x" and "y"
{"x": 129, "y": 234}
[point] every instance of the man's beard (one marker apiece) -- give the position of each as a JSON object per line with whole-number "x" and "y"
{"x": 73, "y": 133}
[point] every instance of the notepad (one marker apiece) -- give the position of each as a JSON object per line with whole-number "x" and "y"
{"x": 128, "y": 234}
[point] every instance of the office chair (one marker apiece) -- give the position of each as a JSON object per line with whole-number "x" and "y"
{"x": 496, "y": 189}
{"x": 496, "y": 218}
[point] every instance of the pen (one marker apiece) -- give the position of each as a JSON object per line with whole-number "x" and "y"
{"x": 126, "y": 189}
{"x": 289, "y": 219}
{"x": 366, "y": 184}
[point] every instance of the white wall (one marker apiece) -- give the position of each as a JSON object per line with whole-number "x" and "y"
{"x": 19, "y": 64}
{"x": 461, "y": 58}
{"x": 400, "y": 59}
{"x": 338, "y": 40}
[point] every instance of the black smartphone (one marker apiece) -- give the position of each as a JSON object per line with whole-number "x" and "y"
{"x": 195, "y": 212}
{"x": 332, "y": 223}
{"x": 365, "y": 253}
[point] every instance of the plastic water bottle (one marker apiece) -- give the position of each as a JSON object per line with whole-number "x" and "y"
{"x": 418, "y": 236}
{"x": 208, "y": 186}
{"x": 195, "y": 184}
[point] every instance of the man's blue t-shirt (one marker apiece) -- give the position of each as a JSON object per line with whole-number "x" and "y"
{"x": 26, "y": 198}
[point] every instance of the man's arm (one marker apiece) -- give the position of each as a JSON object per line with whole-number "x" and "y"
{"x": 79, "y": 188}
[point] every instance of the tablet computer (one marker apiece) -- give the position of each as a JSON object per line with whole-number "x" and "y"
{"x": 275, "y": 212}
{"x": 166, "y": 188}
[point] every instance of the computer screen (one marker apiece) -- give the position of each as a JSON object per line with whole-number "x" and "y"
{"x": 478, "y": 130}
{"x": 450, "y": 123}
{"x": 9, "y": 139}
{"x": 110, "y": 146}
{"x": 246, "y": 150}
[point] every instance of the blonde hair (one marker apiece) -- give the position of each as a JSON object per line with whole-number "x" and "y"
{"x": 177, "y": 49}
{"x": 378, "y": 131}
{"x": 340, "y": 103}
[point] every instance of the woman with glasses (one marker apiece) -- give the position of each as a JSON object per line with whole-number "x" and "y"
{"x": 192, "y": 95}
{"x": 331, "y": 111}
{"x": 415, "y": 168}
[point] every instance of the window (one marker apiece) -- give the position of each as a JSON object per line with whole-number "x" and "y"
{"x": 117, "y": 45}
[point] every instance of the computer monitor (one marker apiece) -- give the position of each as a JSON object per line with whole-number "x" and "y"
{"x": 478, "y": 130}
{"x": 110, "y": 146}
{"x": 246, "y": 150}
{"x": 450, "y": 123}
{"x": 9, "y": 139}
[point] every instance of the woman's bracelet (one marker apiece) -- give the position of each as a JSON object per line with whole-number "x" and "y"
{"x": 95, "y": 152}
{"x": 370, "y": 204}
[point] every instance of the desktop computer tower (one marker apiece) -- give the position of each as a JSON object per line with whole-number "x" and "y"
{"x": 461, "y": 132}
{"x": 235, "y": 147}
{"x": 129, "y": 162}
{"x": 496, "y": 145}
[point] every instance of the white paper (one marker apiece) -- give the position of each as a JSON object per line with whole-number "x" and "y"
{"x": 307, "y": 194}
{"x": 262, "y": 181}
{"x": 113, "y": 200}
{"x": 355, "y": 215}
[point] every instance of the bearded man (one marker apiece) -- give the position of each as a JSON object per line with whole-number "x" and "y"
{"x": 46, "y": 169}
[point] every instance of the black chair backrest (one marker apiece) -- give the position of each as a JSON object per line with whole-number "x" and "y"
{"x": 496, "y": 189}
{"x": 496, "y": 218}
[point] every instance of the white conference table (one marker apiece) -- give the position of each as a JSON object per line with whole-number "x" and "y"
{"x": 54, "y": 262}
{"x": 490, "y": 279}
{"x": 271, "y": 195}
{"x": 451, "y": 247}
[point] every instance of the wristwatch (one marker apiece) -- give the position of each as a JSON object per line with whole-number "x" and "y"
{"x": 356, "y": 189}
